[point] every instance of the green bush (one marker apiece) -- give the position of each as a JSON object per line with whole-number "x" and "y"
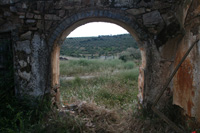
{"x": 130, "y": 54}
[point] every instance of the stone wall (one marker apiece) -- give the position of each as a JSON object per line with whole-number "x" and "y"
{"x": 163, "y": 30}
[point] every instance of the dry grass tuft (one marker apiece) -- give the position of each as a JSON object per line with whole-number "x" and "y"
{"x": 98, "y": 119}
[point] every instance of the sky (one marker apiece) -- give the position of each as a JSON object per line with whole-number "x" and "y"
{"x": 97, "y": 29}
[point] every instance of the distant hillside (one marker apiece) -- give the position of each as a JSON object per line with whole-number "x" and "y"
{"x": 97, "y": 46}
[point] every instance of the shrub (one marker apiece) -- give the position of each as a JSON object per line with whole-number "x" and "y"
{"x": 130, "y": 54}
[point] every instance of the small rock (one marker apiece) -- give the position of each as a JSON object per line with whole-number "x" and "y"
{"x": 26, "y": 36}
{"x": 89, "y": 124}
{"x": 136, "y": 11}
{"x": 22, "y": 17}
{"x": 148, "y": 10}
{"x": 63, "y": 58}
{"x": 24, "y": 75}
{"x": 22, "y": 63}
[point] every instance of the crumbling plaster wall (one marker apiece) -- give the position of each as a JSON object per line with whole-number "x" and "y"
{"x": 31, "y": 64}
{"x": 186, "y": 82}
{"x": 37, "y": 28}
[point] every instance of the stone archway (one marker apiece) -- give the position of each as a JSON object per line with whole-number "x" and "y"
{"x": 172, "y": 25}
{"x": 78, "y": 19}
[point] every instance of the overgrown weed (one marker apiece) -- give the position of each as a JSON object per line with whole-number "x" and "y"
{"x": 114, "y": 91}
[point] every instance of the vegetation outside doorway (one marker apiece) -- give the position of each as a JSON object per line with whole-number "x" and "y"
{"x": 99, "y": 79}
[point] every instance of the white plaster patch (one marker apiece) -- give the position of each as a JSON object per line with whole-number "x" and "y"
{"x": 22, "y": 63}
{"x": 24, "y": 75}
{"x": 28, "y": 60}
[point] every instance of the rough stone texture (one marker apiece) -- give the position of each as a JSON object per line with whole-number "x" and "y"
{"x": 7, "y": 27}
{"x": 24, "y": 46}
{"x": 39, "y": 58}
{"x": 157, "y": 25}
{"x": 152, "y": 18}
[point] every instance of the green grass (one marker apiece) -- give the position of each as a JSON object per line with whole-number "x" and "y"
{"x": 84, "y": 66}
{"x": 112, "y": 89}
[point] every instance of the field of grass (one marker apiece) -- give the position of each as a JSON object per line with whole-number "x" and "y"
{"x": 86, "y": 67}
{"x": 115, "y": 86}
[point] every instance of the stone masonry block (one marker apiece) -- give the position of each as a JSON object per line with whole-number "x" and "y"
{"x": 51, "y": 17}
{"x": 29, "y": 15}
{"x": 26, "y": 36}
{"x": 152, "y": 18}
{"x": 136, "y": 11}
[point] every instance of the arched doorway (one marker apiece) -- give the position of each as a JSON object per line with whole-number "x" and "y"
{"x": 76, "y": 20}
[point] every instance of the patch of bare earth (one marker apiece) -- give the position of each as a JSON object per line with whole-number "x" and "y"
{"x": 98, "y": 119}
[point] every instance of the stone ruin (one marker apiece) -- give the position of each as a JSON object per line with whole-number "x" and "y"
{"x": 163, "y": 29}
